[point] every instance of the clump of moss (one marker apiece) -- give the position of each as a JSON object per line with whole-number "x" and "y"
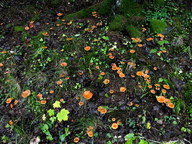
{"x": 133, "y": 31}
{"x": 81, "y": 14}
{"x": 158, "y": 26}
{"x": 117, "y": 24}
{"x": 131, "y": 8}
{"x": 105, "y": 7}
{"x": 159, "y": 2}
{"x": 29, "y": 9}
{"x": 19, "y": 28}
{"x": 53, "y": 3}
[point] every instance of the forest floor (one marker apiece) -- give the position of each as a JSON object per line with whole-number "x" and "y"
{"x": 64, "y": 81}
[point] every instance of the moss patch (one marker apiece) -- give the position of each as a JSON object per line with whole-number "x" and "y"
{"x": 117, "y": 24}
{"x": 103, "y": 8}
{"x": 131, "y": 8}
{"x": 53, "y": 3}
{"x": 159, "y": 2}
{"x": 158, "y": 26}
{"x": 18, "y": 28}
{"x": 133, "y": 31}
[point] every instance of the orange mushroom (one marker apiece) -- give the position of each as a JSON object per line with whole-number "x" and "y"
{"x": 123, "y": 89}
{"x": 63, "y": 64}
{"x": 139, "y": 73}
{"x": 114, "y": 125}
{"x": 170, "y": 105}
{"x": 59, "y": 82}
{"x": 43, "y": 101}
{"x": 87, "y": 48}
{"x": 76, "y": 140}
{"x": 81, "y": 103}
{"x": 161, "y": 99}
{"x": 166, "y": 86}
{"x": 103, "y": 111}
{"x": 90, "y": 133}
{"x": 26, "y": 93}
{"x": 9, "y": 100}
{"x": 132, "y": 51}
{"x": 87, "y": 95}
{"x": 59, "y": 14}
{"x": 106, "y": 81}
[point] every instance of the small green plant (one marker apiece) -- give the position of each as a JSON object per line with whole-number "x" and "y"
{"x": 62, "y": 115}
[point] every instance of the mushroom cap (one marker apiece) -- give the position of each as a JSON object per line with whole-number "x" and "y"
{"x": 87, "y": 95}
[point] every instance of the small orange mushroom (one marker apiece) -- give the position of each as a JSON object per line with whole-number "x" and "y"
{"x": 59, "y": 82}
{"x": 123, "y": 89}
{"x": 139, "y": 73}
{"x": 166, "y": 86}
{"x": 9, "y": 100}
{"x": 43, "y": 101}
{"x": 121, "y": 75}
{"x": 114, "y": 125}
{"x": 103, "y": 111}
{"x": 87, "y": 95}
{"x": 106, "y": 81}
{"x": 76, "y": 140}
{"x": 87, "y": 48}
{"x": 90, "y": 133}
{"x": 26, "y": 93}
{"x": 63, "y": 64}
{"x": 170, "y": 105}
{"x": 132, "y": 51}
{"x": 161, "y": 99}
{"x": 59, "y": 14}
{"x": 81, "y": 103}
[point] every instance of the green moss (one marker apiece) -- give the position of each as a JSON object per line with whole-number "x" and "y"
{"x": 133, "y": 31}
{"x": 29, "y": 9}
{"x": 177, "y": 22}
{"x": 117, "y": 24}
{"x": 158, "y": 26}
{"x": 35, "y": 17}
{"x": 19, "y": 28}
{"x": 53, "y": 3}
{"x": 131, "y": 8}
{"x": 160, "y": 2}
{"x": 105, "y": 7}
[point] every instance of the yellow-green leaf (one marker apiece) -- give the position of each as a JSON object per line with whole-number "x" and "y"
{"x": 57, "y": 104}
{"x": 63, "y": 115}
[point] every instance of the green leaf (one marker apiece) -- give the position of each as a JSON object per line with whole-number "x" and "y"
{"x": 52, "y": 119}
{"x": 143, "y": 142}
{"x": 162, "y": 48}
{"x": 56, "y": 104}
{"x": 163, "y": 42}
{"x": 109, "y": 142}
{"x": 45, "y": 127}
{"x": 128, "y": 136}
{"x": 153, "y": 51}
{"x": 130, "y": 140}
{"x": 105, "y": 37}
{"x": 63, "y": 115}
{"x": 51, "y": 112}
